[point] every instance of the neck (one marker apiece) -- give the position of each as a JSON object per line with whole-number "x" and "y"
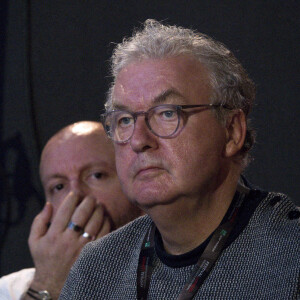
{"x": 188, "y": 222}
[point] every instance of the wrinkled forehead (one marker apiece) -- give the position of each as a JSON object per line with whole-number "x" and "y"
{"x": 145, "y": 81}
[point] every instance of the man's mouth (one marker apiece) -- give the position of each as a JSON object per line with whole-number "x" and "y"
{"x": 149, "y": 171}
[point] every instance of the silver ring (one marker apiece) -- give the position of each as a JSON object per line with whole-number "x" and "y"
{"x": 87, "y": 235}
{"x": 75, "y": 227}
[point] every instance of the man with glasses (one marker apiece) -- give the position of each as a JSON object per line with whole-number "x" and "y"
{"x": 177, "y": 112}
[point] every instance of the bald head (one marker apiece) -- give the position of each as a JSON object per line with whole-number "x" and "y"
{"x": 80, "y": 158}
{"x": 84, "y": 130}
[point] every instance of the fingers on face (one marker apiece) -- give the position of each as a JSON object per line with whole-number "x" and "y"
{"x": 84, "y": 211}
{"x": 77, "y": 218}
{"x": 91, "y": 217}
{"x": 98, "y": 225}
{"x": 64, "y": 213}
{"x": 105, "y": 229}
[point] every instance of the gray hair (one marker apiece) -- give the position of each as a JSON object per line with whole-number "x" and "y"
{"x": 229, "y": 80}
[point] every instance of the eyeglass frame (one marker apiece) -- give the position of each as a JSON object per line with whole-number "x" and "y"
{"x": 178, "y": 108}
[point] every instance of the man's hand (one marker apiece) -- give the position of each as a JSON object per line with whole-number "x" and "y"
{"x": 56, "y": 248}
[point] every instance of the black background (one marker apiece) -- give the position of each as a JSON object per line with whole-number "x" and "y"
{"x": 54, "y": 71}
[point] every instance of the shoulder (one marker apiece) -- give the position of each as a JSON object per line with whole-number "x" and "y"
{"x": 272, "y": 208}
{"x": 14, "y": 285}
{"x": 280, "y": 209}
{"x": 278, "y": 216}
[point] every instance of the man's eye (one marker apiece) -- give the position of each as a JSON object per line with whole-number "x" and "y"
{"x": 168, "y": 114}
{"x": 98, "y": 175}
{"x": 125, "y": 121}
{"x": 58, "y": 187}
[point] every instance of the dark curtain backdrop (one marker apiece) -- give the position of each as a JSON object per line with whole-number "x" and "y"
{"x": 54, "y": 71}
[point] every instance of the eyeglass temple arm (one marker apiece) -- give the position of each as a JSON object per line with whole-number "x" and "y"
{"x": 204, "y": 105}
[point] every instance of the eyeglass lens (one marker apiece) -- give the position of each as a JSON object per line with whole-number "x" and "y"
{"x": 162, "y": 120}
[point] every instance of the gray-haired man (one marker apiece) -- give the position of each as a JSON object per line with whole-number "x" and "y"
{"x": 177, "y": 113}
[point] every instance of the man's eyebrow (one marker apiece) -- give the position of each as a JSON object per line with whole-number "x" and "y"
{"x": 161, "y": 98}
{"x": 54, "y": 176}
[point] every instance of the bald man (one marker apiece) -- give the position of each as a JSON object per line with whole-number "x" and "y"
{"x": 84, "y": 201}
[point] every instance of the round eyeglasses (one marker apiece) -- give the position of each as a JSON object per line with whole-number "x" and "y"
{"x": 162, "y": 120}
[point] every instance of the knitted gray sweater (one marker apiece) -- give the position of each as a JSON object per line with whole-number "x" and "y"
{"x": 263, "y": 262}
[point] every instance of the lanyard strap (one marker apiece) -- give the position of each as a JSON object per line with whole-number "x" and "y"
{"x": 145, "y": 264}
{"x": 204, "y": 264}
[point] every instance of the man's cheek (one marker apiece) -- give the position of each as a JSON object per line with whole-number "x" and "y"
{"x": 122, "y": 169}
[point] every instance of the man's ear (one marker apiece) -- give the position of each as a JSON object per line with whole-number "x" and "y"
{"x": 235, "y": 133}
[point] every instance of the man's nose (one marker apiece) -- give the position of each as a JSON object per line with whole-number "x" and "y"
{"x": 80, "y": 188}
{"x": 142, "y": 138}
